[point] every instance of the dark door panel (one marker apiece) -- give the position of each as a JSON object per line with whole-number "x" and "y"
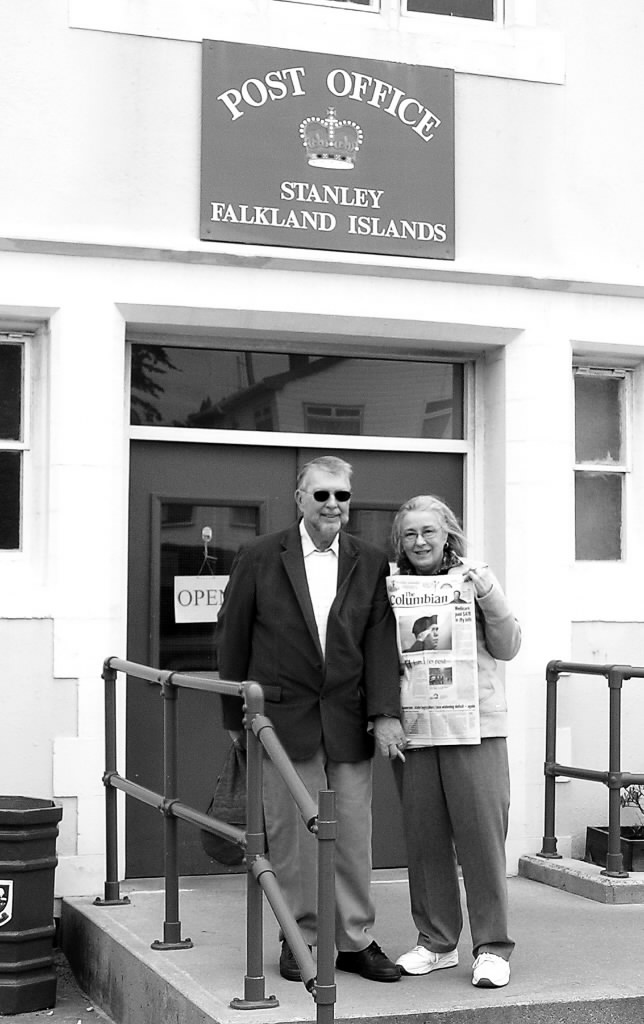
{"x": 237, "y": 492}
{"x": 175, "y": 491}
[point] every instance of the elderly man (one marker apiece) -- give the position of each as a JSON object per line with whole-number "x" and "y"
{"x": 306, "y": 615}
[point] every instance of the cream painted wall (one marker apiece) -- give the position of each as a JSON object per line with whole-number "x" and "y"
{"x": 104, "y": 132}
{"x": 539, "y": 433}
{"x": 35, "y": 708}
{"x": 523, "y": 463}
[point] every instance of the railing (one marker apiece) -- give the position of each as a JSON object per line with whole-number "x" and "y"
{"x": 614, "y": 778}
{"x": 319, "y": 819}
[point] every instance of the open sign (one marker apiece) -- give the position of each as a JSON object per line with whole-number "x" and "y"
{"x": 198, "y": 598}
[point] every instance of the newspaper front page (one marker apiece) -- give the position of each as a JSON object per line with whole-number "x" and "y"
{"x": 436, "y": 632}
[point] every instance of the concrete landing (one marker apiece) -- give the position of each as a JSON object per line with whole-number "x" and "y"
{"x": 577, "y": 961}
{"x": 583, "y": 879}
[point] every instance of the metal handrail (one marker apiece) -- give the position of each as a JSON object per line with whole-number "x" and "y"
{"x": 615, "y": 779}
{"x": 319, "y": 818}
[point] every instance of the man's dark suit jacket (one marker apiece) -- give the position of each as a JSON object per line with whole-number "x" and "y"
{"x": 266, "y": 632}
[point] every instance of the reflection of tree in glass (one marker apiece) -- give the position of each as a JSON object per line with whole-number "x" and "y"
{"x": 148, "y": 360}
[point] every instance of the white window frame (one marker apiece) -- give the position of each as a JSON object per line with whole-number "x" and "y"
{"x": 312, "y": 411}
{"x": 506, "y": 12}
{"x": 401, "y": 6}
{"x": 515, "y": 46}
{"x": 622, "y": 469}
{"x": 24, "y": 571}
{"x": 23, "y": 444}
{"x": 283, "y": 439}
{"x": 470, "y": 446}
{"x": 497, "y": 19}
{"x": 373, "y": 7}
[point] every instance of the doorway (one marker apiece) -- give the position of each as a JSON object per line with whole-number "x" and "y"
{"x": 237, "y": 492}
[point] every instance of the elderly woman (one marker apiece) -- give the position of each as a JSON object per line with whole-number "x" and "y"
{"x": 456, "y": 797}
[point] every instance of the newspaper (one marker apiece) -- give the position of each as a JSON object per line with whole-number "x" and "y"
{"x": 436, "y": 633}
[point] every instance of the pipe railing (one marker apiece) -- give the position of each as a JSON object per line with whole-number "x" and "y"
{"x": 261, "y": 881}
{"x": 615, "y": 779}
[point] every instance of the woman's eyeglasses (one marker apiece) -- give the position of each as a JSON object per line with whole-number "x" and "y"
{"x": 323, "y": 496}
{"x": 428, "y": 533}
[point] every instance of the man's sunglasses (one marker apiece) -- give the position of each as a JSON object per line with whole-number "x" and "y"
{"x": 323, "y": 496}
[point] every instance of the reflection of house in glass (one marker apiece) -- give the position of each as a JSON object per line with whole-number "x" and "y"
{"x": 298, "y": 393}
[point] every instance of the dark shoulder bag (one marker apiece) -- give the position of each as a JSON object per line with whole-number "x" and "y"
{"x": 228, "y": 805}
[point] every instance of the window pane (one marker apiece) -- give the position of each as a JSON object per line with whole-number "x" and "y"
{"x": 354, "y": 3}
{"x": 333, "y": 419}
{"x": 481, "y": 9}
{"x": 10, "y": 391}
{"x": 213, "y": 389}
{"x": 598, "y": 516}
{"x": 598, "y": 424}
{"x": 10, "y": 467}
{"x": 190, "y": 645}
{"x": 374, "y": 526}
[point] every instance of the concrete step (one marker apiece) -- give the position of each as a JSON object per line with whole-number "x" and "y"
{"x": 577, "y": 961}
{"x": 582, "y": 879}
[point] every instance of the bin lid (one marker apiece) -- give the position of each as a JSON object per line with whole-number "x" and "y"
{"x": 20, "y": 810}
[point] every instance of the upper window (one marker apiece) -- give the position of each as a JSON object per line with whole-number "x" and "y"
{"x": 494, "y": 38}
{"x": 483, "y": 10}
{"x": 12, "y": 440}
{"x": 214, "y": 389}
{"x": 601, "y": 464}
{"x": 373, "y": 5}
{"x": 333, "y": 419}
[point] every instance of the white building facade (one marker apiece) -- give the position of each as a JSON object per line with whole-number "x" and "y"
{"x": 540, "y": 306}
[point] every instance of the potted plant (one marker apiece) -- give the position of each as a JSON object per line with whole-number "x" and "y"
{"x": 631, "y": 836}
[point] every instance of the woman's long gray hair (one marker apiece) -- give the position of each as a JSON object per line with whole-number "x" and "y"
{"x": 427, "y": 503}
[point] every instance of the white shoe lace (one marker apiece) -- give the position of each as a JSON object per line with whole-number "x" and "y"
{"x": 484, "y": 958}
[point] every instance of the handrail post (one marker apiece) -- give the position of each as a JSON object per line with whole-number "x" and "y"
{"x": 112, "y": 895}
{"x": 549, "y": 844}
{"x": 171, "y": 925}
{"x": 325, "y": 989}
{"x": 254, "y": 981}
{"x": 320, "y": 819}
{"x": 614, "y": 859}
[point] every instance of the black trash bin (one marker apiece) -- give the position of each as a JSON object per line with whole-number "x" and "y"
{"x": 28, "y": 830}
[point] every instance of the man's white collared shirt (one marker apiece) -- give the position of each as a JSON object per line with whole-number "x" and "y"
{"x": 322, "y": 576}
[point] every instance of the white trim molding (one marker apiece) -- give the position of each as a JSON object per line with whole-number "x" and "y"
{"x": 516, "y": 48}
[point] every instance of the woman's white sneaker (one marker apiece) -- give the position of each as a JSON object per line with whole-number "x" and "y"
{"x": 490, "y": 971}
{"x": 421, "y": 961}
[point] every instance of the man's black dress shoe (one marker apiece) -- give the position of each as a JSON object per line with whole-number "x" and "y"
{"x": 289, "y": 967}
{"x": 371, "y": 963}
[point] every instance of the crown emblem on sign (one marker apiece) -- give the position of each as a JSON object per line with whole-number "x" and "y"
{"x": 330, "y": 142}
